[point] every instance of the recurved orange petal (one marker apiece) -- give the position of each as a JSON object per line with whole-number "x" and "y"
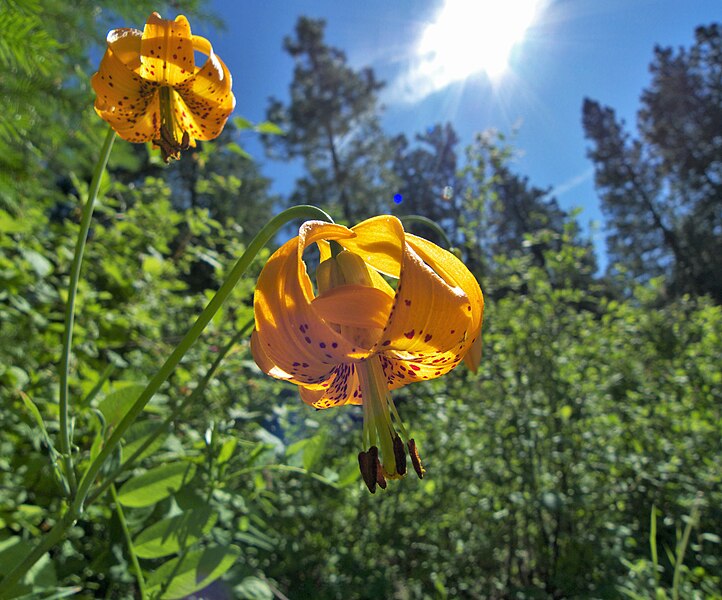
{"x": 166, "y": 50}
{"x": 454, "y": 272}
{"x": 402, "y": 371}
{"x": 341, "y": 388}
{"x": 292, "y": 335}
{"x": 379, "y": 241}
{"x": 123, "y": 98}
{"x": 206, "y": 96}
{"x": 430, "y": 317}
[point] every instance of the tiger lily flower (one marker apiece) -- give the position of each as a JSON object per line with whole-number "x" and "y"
{"x": 148, "y": 87}
{"x": 356, "y": 338}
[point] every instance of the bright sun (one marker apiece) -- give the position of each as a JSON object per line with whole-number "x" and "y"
{"x": 471, "y": 36}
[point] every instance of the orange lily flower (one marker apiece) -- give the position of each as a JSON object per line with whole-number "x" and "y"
{"x": 357, "y": 338}
{"x": 149, "y": 88}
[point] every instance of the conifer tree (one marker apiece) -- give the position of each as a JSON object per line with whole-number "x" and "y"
{"x": 662, "y": 191}
{"x": 332, "y": 124}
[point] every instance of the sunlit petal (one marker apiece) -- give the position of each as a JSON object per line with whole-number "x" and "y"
{"x": 428, "y": 315}
{"x": 136, "y": 126}
{"x": 342, "y": 388}
{"x": 403, "y": 371}
{"x": 166, "y": 50}
{"x": 379, "y": 241}
{"x": 455, "y": 273}
{"x": 354, "y": 306}
{"x": 125, "y": 44}
{"x": 206, "y": 96}
{"x": 293, "y": 336}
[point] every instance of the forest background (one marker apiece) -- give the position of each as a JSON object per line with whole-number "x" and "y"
{"x": 581, "y": 461}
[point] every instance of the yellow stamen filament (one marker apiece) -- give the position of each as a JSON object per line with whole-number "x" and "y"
{"x": 169, "y": 143}
{"x": 377, "y": 418}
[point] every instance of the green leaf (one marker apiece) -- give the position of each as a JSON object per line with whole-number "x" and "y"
{"x": 41, "y": 574}
{"x": 269, "y": 128}
{"x": 242, "y": 123}
{"x": 254, "y": 537}
{"x": 565, "y": 412}
{"x": 30, "y": 405}
{"x": 170, "y": 535}
{"x": 194, "y": 572}
{"x": 156, "y": 484}
{"x": 116, "y": 404}
{"x": 41, "y": 265}
{"x": 348, "y": 475}
{"x": 313, "y": 451}
{"x": 253, "y": 588}
{"x": 236, "y": 149}
{"x": 9, "y": 224}
{"x": 227, "y": 450}
{"x": 138, "y": 434}
{"x": 153, "y": 265}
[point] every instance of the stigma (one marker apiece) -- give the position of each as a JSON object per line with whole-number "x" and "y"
{"x": 386, "y": 454}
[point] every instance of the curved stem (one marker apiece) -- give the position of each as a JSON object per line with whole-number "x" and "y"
{"x": 54, "y": 536}
{"x": 258, "y": 242}
{"x": 57, "y": 533}
{"x": 65, "y": 441}
{"x": 129, "y": 542}
{"x": 162, "y": 427}
{"x": 430, "y": 224}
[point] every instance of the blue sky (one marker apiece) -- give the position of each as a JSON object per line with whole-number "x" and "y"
{"x": 574, "y": 49}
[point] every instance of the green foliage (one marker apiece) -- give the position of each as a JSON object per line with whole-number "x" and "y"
{"x": 542, "y": 468}
{"x": 591, "y": 411}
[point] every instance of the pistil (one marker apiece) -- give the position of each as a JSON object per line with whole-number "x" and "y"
{"x": 379, "y": 430}
{"x": 168, "y": 142}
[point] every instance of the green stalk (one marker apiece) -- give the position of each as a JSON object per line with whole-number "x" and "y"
{"x": 428, "y": 223}
{"x": 681, "y": 549}
{"x": 65, "y": 441}
{"x": 129, "y": 541}
{"x": 258, "y": 242}
{"x": 178, "y": 410}
{"x": 56, "y": 534}
{"x": 653, "y": 547}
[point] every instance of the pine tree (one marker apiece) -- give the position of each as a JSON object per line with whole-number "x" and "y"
{"x": 662, "y": 192}
{"x": 332, "y": 125}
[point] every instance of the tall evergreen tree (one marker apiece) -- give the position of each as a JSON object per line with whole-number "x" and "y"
{"x": 662, "y": 192}
{"x": 332, "y": 125}
{"x": 503, "y": 215}
{"x": 427, "y": 173}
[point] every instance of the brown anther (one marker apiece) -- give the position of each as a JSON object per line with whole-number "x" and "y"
{"x": 166, "y": 135}
{"x": 368, "y": 463}
{"x": 415, "y": 460}
{"x": 380, "y": 479}
{"x": 399, "y": 455}
{"x": 185, "y": 141}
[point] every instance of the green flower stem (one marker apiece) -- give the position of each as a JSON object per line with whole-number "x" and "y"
{"x": 430, "y": 224}
{"x": 65, "y": 440}
{"x": 57, "y": 533}
{"x": 258, "y": 242}
{"x": 178, "y": 410}
{"x": 129, "y": 541}
{"x": 54, "y": 536}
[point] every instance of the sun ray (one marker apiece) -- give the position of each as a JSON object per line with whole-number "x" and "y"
{"x": 472, "y": 36}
